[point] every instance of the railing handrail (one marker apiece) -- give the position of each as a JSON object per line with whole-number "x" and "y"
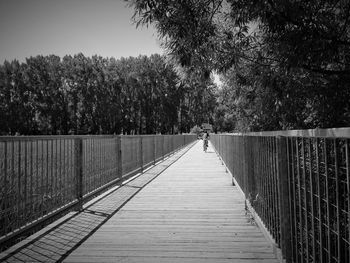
{"x": 331, "y": 132}
{"x": 84, "y": 136}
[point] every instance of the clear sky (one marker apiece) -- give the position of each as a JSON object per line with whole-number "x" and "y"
{"x": 67, "y": 27}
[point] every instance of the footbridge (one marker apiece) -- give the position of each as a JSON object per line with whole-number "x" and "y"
{"x": 269, "y": 197}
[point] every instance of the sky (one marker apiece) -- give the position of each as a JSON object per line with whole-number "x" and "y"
{"x": 68, "y": 27}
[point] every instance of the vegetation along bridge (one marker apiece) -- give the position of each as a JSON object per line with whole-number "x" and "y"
{"x": 162, "y": 199}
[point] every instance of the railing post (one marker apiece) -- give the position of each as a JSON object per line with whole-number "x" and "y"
{"x": 141, "y": 153}
{"x": 173, "y": 143}
{"x": 119, "y": 157}
{"x": 284, "y": 196}
{"x": 249, "y": 168}
{"x": 163, "y": 139}
{"x": 78, "y": 160}
{"x": 154, "y": 149}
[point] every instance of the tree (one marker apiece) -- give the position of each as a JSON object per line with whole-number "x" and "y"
{"x": 281, "y": 54}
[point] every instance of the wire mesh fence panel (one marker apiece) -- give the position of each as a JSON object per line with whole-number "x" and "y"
{"x": 159, "y": 142}
{"x": 37, "y": 177}
{"x": 318, "y": 190}
{"x": 100, "y": 163}
{"x": 178, "y": 141}
{"x": 320, "y": 198}
{"x": 131, "y": 156}
{"x": 167, "y": 144}
{"x": 148, "y": 149}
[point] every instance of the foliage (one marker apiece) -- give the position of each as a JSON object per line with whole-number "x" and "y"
{"x": 285, "y": 64}
{"x": 95, "y": 95}
{"x": 196, "y": 130}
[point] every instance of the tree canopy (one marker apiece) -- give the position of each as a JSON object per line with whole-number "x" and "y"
{"x": 285, "y": 64}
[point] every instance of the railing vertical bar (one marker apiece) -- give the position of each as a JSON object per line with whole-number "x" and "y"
{"x": 72, "y": 172}
{"x": 6, "y": 188}
{"x": 163, "y": 146}
{"x": 104, "y": 163}
{"x": 84, "y": 162}
{"x": 267, "y": 182}
{"x": 66, "y": 151}
{"x": 31, "y": 179}
{"x": 295, "y": 190}
{"x": 120, "y": 160}
{"x": 37, "y": 191}
{"x": 52, "y": 185}
{"x": 277, "y": 192}
{"x": 268, "y": 215}
{"x": 19, "y": 194}
{"x": 347, "y": 160}
{"x": 261, "y": 180}
{"x": 60, "y": 170}
{"x": 312, "y": 200}
{"x": 89, "y": 166}
{"x": 284, "y": 200}
{"x": 55, "y": 174}
{"x": 336, "y": 174}
{"x": 65, "y": 167}
{"x": 319, "y": 199}
{"x": 266, "y": 196}
{"x": 98, "y": 157}
{"x": 328, "y": 203}
{"x": 92, "y": 170}
{"x": 47, "y": 171}
{"x": 291, "y": 184}
{"x": 78, "y": 173}
{"x": 300, "y": 201}
{"x": 306, "y": 214}
{"x": 94, "y": 160}
{"x": 141, "y": 153}
{"x": 13, "y": 166}
{"x": 270, "y": 187}
{"x": 155, "y": 148}
{"x": 13, "y": 186}
{"x": 25, "y": 187}
{"x": 103, "y": 175}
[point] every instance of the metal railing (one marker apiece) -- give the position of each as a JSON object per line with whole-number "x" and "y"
{"x": 41, "y": 176}
{"x": 300, "y": 188}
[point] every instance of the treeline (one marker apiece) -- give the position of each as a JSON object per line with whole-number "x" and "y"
{"x": 96, "y": 95}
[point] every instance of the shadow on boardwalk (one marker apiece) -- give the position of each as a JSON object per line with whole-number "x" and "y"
{"x": 190, "y": 213}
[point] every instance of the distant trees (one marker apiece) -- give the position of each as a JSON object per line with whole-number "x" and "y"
{"x": 284, "y": 64}
{"x": 96, "y": 95}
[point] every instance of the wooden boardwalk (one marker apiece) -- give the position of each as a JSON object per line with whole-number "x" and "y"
{"x": 188, "y": 213}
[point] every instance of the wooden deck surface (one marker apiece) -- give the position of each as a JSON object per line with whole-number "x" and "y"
{"x": 190, "y": 213}
{"x": 178, "y": 211}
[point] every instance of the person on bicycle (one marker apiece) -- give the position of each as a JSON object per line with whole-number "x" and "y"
{"x": 206, "y": 138}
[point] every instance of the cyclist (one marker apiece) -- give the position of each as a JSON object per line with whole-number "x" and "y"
{"x": 206, "y": 138}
